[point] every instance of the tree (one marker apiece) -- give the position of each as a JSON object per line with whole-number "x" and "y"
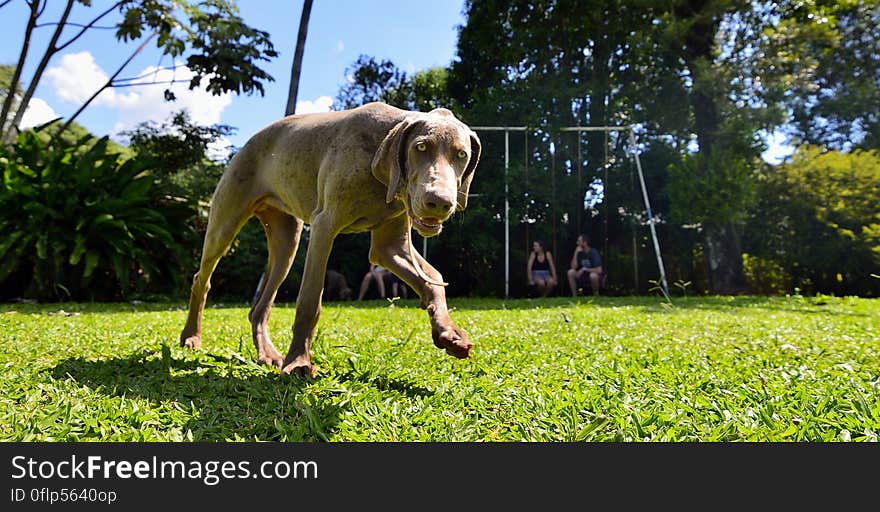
{"x": 373, "y": 81}
{"x": 823, "y": 56}
{"x": 817, "y": 218}
{"x": 550, "y": 64}
{"x": 754, "y": 67}
{"x": 711, "y": 176}
{"x": 428, "y": 90}
{"x": 12, "y": 84}
{"x": 177, "y": 152}
{"x": 221, "y": 49}
{"x": 104, "y": 227}
{"x": 10, "y": 93}
{"x": 297, "y": 57}
{"x": 6, "y": 72}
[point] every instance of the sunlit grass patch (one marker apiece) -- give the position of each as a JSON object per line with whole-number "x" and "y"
{"x": 603, "y": 369}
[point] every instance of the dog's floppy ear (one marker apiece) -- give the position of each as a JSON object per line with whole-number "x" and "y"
{"x": 389, "y": 162}
{"x": 468, "y": 175}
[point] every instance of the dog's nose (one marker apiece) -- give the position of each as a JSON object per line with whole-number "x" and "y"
{"x": 438, "y": 203}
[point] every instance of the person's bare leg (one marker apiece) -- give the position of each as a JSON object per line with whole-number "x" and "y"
{"x": 380, "y": 284}
{"x": 572, "y": 281}
{"x": 594, "y": 282}
{"x": 545, "y": 288}
{"x": 551, "y": 285}
{"x": 539, "y": 287}
{"x": 365, "y": 285}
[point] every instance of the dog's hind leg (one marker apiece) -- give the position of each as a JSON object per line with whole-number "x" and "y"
{"x": 282, "y": 237}
{"x": 224, "y": 222}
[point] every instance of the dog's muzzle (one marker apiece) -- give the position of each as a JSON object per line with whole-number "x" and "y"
{"x": 427, "y": 226}
{"x": 427, "y": 223}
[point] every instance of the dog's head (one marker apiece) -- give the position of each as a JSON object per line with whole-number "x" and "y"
{"x": 427, "y": 160}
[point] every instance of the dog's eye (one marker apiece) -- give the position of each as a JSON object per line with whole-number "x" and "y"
{"x": 421, "y": 146}
{"x": 462, "y": 154}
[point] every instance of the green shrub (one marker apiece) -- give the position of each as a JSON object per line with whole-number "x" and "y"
{"x": 817, "y": 217}
{"x": 765, "y": 276}
{"x": 79, "y": 222}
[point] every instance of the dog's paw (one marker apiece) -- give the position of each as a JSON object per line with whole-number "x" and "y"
{"x": 300, "y": 366}
{"x": 270, "y": 360}
{"x": 193, "y": 342}
{"x": 269, "y": 356}
{"x": 453, "y": 339}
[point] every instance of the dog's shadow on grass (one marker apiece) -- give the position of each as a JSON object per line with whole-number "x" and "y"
{"x": 212, "y": 400}
{"x": 385, "y": 383}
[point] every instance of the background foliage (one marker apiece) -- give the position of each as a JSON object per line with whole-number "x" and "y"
{"x": 703, "y": 82}
{"x": 82, "y": 223}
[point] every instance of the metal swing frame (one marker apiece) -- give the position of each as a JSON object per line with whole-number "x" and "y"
{"x": 635, "y": 155}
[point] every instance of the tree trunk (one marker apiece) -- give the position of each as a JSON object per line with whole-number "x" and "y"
{"x": 294, "y": 82}
{"x": 297, "y": 58}
{"x": 599, "y": 94}
{"x": 16, "y": 76}
{"x": 51, "y": 49}
{"x": 723, "y": 250}
{"x": 724, "y": 259}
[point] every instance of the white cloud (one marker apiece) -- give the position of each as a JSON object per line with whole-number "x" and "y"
{"x": 204, "y": 108}
{"x": 322, "y": 104}
{"x": 78, "y": 76}
{"x": 220, "y": 149}
{"x": 340, "y": 46}
{"x": 37, "y": 113}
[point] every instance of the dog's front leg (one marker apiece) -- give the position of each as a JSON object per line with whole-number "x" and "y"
{"x": 446, "y": 334}
{"x": 308, "y": 302}
{"x": 392, "y": 248}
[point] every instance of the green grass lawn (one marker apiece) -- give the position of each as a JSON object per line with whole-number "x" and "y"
{"x": 604, "y": 369}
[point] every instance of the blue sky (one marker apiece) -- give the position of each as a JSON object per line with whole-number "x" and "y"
{"x": 415, "y": 35}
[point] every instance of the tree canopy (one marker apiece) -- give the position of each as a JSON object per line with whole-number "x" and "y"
{"x": 704, "y": 82}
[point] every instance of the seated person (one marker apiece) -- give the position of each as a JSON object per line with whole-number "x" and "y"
{"x": 377, "y": 274}
{"x": 541, "y": 270}
{"x": 398, "y": 287}
{"x": 586, "y": 267}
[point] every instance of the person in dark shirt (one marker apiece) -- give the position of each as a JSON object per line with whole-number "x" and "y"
{"x": 586, "y": 267}
{"x": 541, "y": 270}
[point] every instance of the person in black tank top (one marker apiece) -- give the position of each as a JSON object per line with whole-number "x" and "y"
{"x": 541, "y": 270}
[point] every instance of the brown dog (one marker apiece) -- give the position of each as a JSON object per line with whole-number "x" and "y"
{"x": 336, "y": 287}
{"x": 373, "y": 168}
